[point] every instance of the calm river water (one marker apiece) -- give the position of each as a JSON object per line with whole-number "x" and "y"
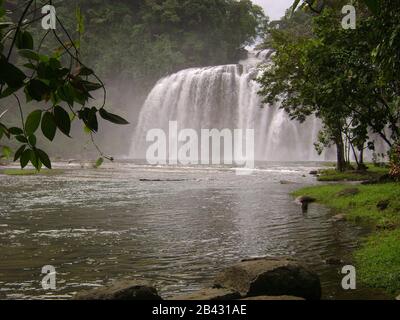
{"x": 95, "y": 226}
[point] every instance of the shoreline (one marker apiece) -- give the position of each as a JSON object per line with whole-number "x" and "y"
{"x": 371, "y": 204}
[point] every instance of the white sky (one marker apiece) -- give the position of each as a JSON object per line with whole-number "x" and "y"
{"x": 274, "y": 9}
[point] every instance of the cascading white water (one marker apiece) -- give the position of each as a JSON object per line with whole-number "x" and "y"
{"x": 225, "y": 97}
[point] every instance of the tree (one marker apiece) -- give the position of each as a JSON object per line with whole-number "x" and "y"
{"x": 60, "y": 83}
{"x": 334, "y": 74}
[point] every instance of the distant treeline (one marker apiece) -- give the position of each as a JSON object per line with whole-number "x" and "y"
{"x": 147, "y": 39}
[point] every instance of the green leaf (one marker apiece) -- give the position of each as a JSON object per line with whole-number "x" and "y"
{"x": 86, "y": 129}
{"x": 10, "y": 74}
{"x": 112, "y": 117}
{"x": 89, "y": 118}
{"x": 62, "y": 119}
{"x": 25, "y": 158}
{"x": 35, "y": 160}
{"x": 19, "y": 152}
{"x": 8, "y": 92}
{"x": 90, "y": 86}
{"x": 33, "y": 121}
{"x": 29, "y": 54}
{"x": 66, "y": 93}
{"x": 44, "y": 158}
{"x": 6, "y": 152}
{"x": 21, "y": 139}
{"x": 30, "y": 66}
{"x": 85, "y": 71}
{"x": 15, "y": 131}
{"x": 38, "y": 90}
{"x": 98, "y": 163}
{"x": 32, "y": 140}
{"x": 49, "y": 126}
{"x": 24, "y": 40}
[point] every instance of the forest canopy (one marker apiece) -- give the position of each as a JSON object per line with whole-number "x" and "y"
{"x": 147, "y": 39}
{"x": 134, "y": 42}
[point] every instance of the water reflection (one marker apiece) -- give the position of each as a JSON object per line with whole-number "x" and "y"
{"x": 98, "y": 225}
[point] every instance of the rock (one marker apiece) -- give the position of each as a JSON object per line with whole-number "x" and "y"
{"x": 348, "y": 192}
{"x": 270, "y": 277}
{"x": 305, "y": 199}
{"x": 125, "y": 290}
{"x": 383, "y": 204}
{"x": 339, "y": 218}
{"x": 210, "y": 294}
{"x": 398, "y": 297}
{"x": 386, "y": 226}
{"x": 274, "y": 298}
{"x": 314, "y": 172}
{"x": 334, "y": 262}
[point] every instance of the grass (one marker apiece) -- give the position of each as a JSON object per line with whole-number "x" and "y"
{"x": 30, "y": 172}
{"x": 378, "y": 259}
{"x": 362, "y": 206}
{"x": 372, "y": 173}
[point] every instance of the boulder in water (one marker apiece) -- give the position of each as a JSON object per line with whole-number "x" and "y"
{"x": 210, "y": 294}
{"x": 270, "y": 277}
{"x": 305, "y": 199}
{"x": 287, "y": 182}
{"x": 124, "y": 290}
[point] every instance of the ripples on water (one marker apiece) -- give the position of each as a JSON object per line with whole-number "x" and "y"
{"x": 95, "y": 226}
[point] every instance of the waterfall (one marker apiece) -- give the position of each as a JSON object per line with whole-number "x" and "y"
{"x": 222, "y": 97}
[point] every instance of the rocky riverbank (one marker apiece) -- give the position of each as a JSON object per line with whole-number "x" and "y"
{"x": 253, "y": 279}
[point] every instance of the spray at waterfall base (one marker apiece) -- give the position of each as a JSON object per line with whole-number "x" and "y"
{"x": 212, "y": 146}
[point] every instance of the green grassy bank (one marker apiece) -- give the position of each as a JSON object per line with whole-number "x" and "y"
{"x": 378, "y": 259}
{"x": 30, "y": 172}
{"x": 373, "y": 173}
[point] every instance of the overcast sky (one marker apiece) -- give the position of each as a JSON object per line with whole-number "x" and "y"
{"x": 274, "y": 9}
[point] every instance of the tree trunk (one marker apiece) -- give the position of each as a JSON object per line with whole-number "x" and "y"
{"x": 340, "y": 154}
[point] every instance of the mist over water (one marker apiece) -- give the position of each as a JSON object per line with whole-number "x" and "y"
{"x": 221, "y": 97}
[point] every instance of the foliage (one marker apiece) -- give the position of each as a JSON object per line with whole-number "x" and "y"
{"x": 59, "y": 82}
{"x": 333, "y": 73}
{"x": 147, "y": 39}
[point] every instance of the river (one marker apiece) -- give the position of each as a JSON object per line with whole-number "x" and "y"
{"x": 113, "y": 223}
